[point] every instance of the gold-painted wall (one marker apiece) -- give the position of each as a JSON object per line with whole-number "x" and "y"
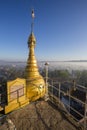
{"x": 16, "y": 94}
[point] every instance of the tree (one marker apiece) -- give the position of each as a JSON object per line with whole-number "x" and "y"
{"x": 59, "y": 74}
{"x": 83, "y": 78}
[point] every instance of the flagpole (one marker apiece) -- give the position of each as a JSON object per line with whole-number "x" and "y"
{"x": 32, "y": 24}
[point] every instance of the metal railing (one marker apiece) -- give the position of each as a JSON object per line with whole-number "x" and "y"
{"x": 67, "y": 99}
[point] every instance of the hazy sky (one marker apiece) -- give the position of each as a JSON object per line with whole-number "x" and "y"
{"x": 60, "y": 28}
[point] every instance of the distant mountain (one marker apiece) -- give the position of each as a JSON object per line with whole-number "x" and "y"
{"x": 3, "y": 62}
{"x": 60, "y": 65}
{"x": 77, "y": 61}
{"x": 8, "y": 61}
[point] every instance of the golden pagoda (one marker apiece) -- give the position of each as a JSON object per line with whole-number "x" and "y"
{"x": 35, "y": 84}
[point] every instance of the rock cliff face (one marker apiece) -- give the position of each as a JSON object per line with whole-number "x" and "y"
{"x": 39, "y": 115}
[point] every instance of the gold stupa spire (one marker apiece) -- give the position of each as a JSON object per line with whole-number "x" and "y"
{"x": 32, "y": 69}
{"x": 34, "y": 81}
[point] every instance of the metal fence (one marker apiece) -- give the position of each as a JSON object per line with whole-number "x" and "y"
{"x": 76, "y": 108}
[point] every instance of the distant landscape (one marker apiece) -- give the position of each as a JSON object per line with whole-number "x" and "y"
{"x": 59, "y": 65}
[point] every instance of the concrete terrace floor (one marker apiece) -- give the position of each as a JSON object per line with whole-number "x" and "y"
{"x": 39, "y": 115}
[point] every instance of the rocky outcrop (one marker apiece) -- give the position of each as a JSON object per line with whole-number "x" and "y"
{"x": 39, "y": 115}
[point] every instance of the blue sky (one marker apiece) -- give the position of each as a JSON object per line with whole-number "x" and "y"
{"x": 60, "y": 27}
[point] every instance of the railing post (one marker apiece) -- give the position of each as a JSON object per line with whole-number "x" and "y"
{"x": 59, "y": 92}
{"x": 46, "y": 67}
{"x": 85, "y": 114}
{"x": 69, "y": 100}
{"x": 52, "y": 89}
{"x": 52, "y": 86}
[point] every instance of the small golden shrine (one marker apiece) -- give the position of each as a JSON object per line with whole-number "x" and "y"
{"x": 16, "y": 94}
